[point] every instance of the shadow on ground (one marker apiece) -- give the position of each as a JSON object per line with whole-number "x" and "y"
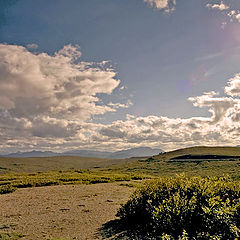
{"x": 115, "y": 230}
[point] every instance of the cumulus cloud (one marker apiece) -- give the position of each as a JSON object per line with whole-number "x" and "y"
{"x": 233, "y": 14}
{"x": 220, "y": 128}
{"x": 233, "y": 87}
{"x": 40, "y": 84}
{"x": 165, "y": 5}
{"x": 218, "y": 106}
{"x": 47, "y": 102}
{"x": 220, "y": 6}
{"x": 50, "y": 96}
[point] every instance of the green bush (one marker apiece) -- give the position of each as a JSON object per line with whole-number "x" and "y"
{"x": 185, "y": 208}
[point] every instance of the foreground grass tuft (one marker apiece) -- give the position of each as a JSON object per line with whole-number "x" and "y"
{"x": 8, "y": 188}
{"x": 10, "y": 236}
{"x": 185, "y": 208}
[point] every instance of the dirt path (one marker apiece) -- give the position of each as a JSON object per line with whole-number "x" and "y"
{"x": 65, "y": 212}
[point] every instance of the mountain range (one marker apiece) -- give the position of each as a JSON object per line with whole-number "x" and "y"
{"x": 132, "y": 152}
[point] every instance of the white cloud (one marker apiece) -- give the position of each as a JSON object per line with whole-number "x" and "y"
{"x": 234, "y": 15}
{"x": 69, "y": 51}
{"x": 166, "y": 5}
{"x": 233, "y": 88}
{"x": 122, "y": 88}
{"x": 218, "y": 106}
{"x": 121, "y": 105}
{"x": 221, "y": 128}
{"x": 220, "y": 6}
{"x": 47, "y": 102}
{"x": 35, "y": 84}
{"x": 50, "y": 96}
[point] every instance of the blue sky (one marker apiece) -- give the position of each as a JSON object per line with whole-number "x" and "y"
{"x": 161, "y": 57}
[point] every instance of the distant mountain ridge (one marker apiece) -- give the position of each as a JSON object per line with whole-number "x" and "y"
{"x": 132, "y": 152}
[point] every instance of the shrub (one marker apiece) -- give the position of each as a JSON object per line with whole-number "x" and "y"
{"x": 185, "y": 208}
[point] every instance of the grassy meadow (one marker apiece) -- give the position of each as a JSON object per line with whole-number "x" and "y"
{"x": 44, "y": 164}
{"x": 45, "y": 171}
{"x": 177, "y": 191}
{"x": 199, "y": 150}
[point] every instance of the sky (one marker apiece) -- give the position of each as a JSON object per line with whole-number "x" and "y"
{"x": 117, "y": 74}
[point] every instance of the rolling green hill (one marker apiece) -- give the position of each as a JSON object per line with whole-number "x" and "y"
{"x": 199, "y": 150}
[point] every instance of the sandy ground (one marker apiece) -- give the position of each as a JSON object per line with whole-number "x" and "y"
{"x": 65, "y": 212}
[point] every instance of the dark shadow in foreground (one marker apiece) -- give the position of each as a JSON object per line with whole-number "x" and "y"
{"x": 115, "y": 230}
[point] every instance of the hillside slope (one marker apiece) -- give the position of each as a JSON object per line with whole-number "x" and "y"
{"x": 43, "y": 164}
{"x": 199, "y": 150}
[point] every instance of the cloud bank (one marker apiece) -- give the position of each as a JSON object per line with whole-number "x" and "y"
{"x": 221, "y": 128}
{"x": 50, "y": 96}
{"x": 48, "y": 101}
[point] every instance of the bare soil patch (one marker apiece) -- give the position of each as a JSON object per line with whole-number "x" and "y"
{"x": 62, "y": 212}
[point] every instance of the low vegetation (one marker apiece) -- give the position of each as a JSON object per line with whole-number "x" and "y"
{"x": 199, "y": 150}
{"x": 185, "y": 208}
{"x": 6, "y": 188}
{"x": 9, "y": 182}
{"x": 165, "y": 207}
{"x": 103, "y": 171}
{"x": 10, "y": 236}
{"x": 43, "y": 164}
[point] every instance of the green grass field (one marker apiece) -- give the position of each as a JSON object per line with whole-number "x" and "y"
{"x": 11, "y": 181}
{"x": 43, "y": 164}
{"x": 34, "y": 172}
